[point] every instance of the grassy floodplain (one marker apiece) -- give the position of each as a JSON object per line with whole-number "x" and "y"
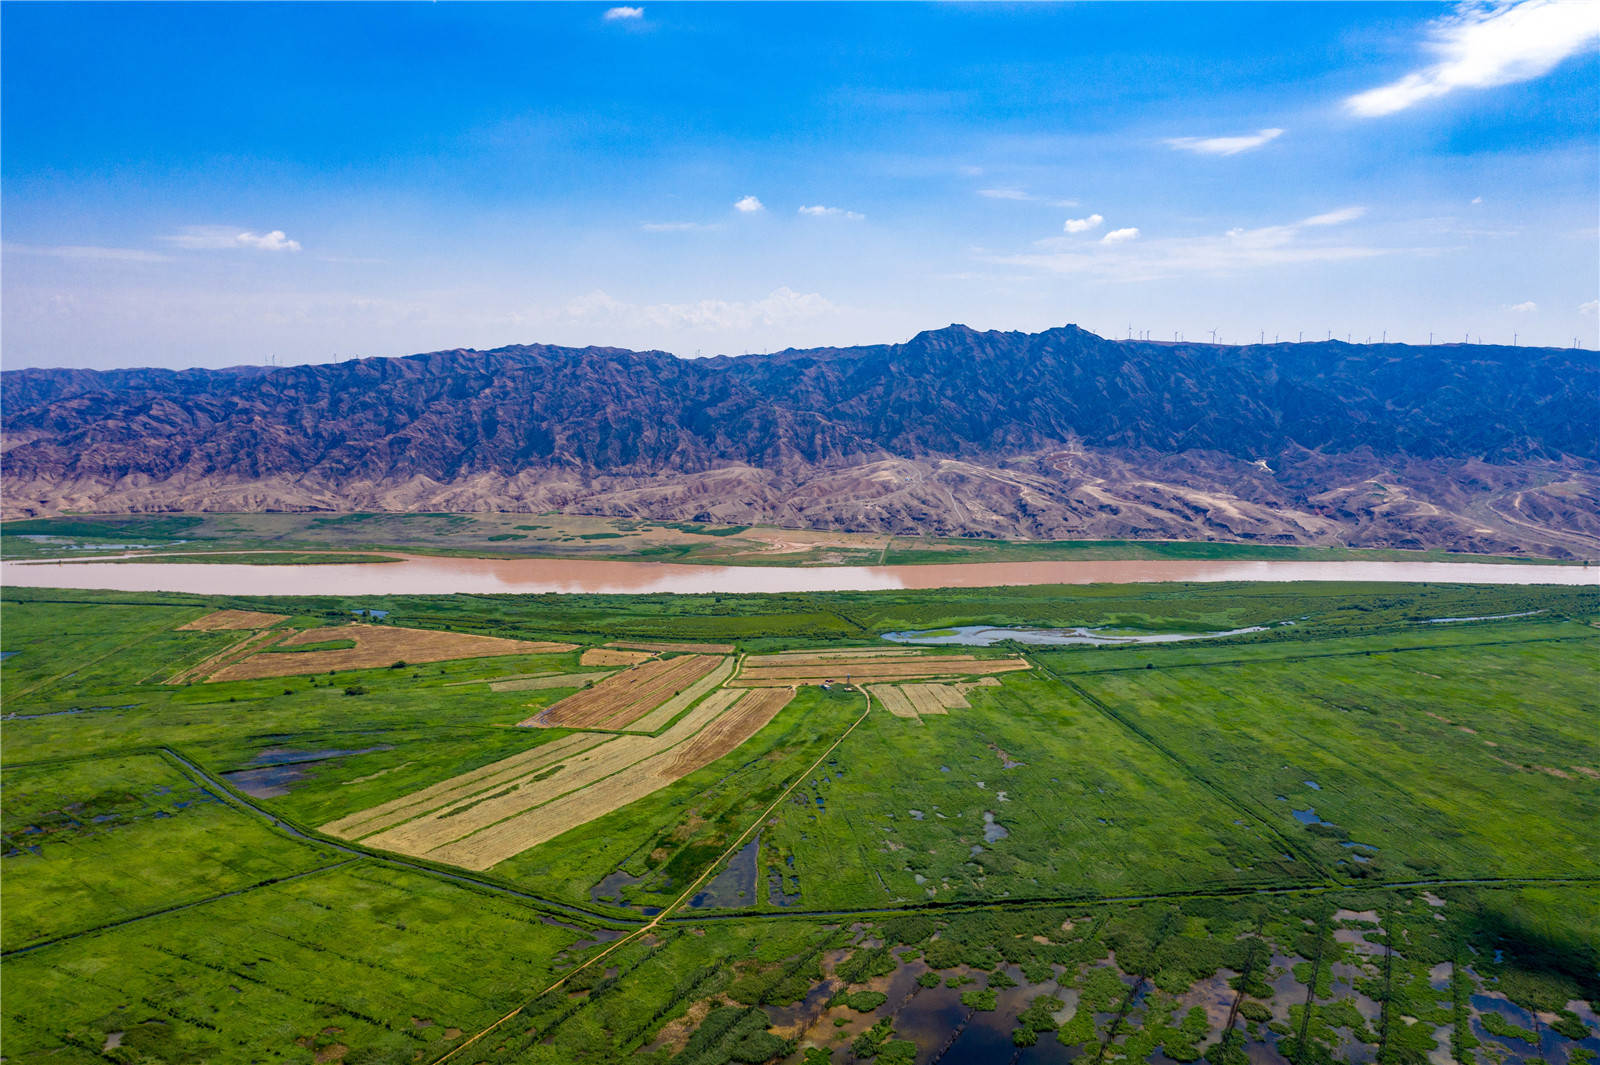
{"x": 305, "y": 538}
{"x": 1361, "y": 837}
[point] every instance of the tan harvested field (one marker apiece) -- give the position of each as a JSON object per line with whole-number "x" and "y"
{"x": 559, "y": 680}
{"x": 617, "y": 702}
{"x": 389, "y": 814}
{"x": 662, "y": 715}
{"x": 377, "y": 646}
{"x": 876, "y": 669}
{"x": 807, "y": 658}
{"x": 894, "y": 700}
{"x": 914, "y": 701}
{"x": 936, "y": 698}
{"x": 481, "y": 818}
{"x": 697, "y": 648}
{"x": 727, "y": 731}
{"x": 249, "y": 644}
{"x": 223, "y": 620}
{"x": 610, "y": 656}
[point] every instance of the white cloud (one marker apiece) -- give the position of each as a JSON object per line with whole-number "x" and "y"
{"x": 820, "y": 211}
{"x": 1592, "y": 307}
{"x": 1334, "y": 218}
{"x": 1525, "y": 307}
{"x": 1120, "y": 257}
{"x": 1081, "y": 225}
{"x": 750, "y": 205}
{"x": 1483, "y": 45}
{"x": 212, "y": 238}
{"x": 88, "y": 253}
{"x": 1224, "y": 145}
{"x": 1023, "y": 196}
{"x": 620, "y": 14}
{"x": 1477, "y": 200}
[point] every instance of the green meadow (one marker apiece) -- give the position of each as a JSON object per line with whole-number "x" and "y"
{"x": 1364, "y": 836}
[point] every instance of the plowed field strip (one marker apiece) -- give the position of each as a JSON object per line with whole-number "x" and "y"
{"x": 662, "y": 715}
{"x": 894, "y": 700}
{"x": 378, "y": 645}
{"x": 224, "y": 620}
{"x": 935, "y": 698}
{"x": 496, "y": 774}
{"x": 619, "y": 700}
{"x": 439, "y": 823}
{"x": 517, "y": 834}
{"x": 894, "y": 670}
{"x": 255, "y": 641}
{"x": 560, "y": 680}
{"x": 607, "y": 656}
{"x": 810, "y": 658}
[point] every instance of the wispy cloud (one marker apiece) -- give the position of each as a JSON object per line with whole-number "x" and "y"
{"x": 1592, "y": 307}
{"x": 1082, "y": 225}
{"x": 1005, "y": 192}
{"x": 1122, "y": 255}
{"x": 88, "y": 253}
{"x": 749, "y": 205}
{"x": 1224, "y": 145}
{"x": 1334, "y": 218}
{"x": 622, "y": 14}
{"x": 677, "y": 227}
{"x": 1483, "y": 45}
{"x": 819, "y": 211}
{"x": 214, "y": 238}
{"x": 783, "y": 306}
{"x": 1525, "y": 307}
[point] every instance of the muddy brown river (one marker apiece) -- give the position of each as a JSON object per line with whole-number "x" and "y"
{"x": 418, "y": 575}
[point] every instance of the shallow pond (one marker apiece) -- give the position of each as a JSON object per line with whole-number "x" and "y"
{"x": 988, "y": 635}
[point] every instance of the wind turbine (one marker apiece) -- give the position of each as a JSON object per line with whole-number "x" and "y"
{"x": 1213, "y": 336}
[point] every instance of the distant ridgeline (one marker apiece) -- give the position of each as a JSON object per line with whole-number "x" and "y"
{"x": 1054, "y": 434}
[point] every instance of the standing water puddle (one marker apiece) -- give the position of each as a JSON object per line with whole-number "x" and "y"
{"x": 986, "y": 635}
{"x": 275, "y": 772}
{"x": 735, "y": 886}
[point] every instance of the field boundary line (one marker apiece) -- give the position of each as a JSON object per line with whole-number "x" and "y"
{"x": 1076, "y": 901}
{"x": 177, "y": 907}
{"x": 293, "y": 828}
{"x": 141, "y": 638}
{"x": 687, "y": 893}
{"x": 1290, "y": 846}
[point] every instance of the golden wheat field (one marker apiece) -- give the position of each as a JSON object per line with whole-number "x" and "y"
{"x": 377, "y": 646}
{"x": 615, "y": 703}
{"x": 811, "y": 658}
{"x": 481, "y": 818}
{"x": 224, "y": 620}
{"x": 829, "y": 668}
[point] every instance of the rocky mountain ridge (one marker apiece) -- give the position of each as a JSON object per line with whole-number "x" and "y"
{"x": 1053, "y": 434}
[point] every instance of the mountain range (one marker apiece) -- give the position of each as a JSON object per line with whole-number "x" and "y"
{"x": 1059, "y": 434}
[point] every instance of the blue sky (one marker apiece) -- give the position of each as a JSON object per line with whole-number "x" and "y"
{"x": 187, "y": 184}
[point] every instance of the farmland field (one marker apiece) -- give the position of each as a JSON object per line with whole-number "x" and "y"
{"x": 1368, "y": 836}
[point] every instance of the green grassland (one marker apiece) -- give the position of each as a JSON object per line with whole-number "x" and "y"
{"x": 1147, "y": 855}
{"x": 300, "y": 537}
